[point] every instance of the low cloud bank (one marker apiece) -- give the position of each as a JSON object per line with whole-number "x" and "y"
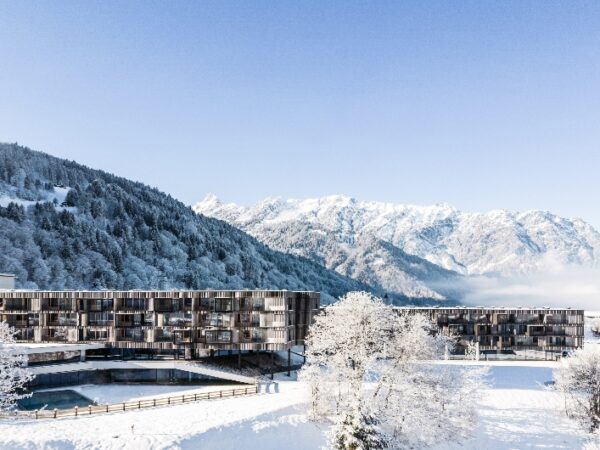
{"x": 574, "y": 287}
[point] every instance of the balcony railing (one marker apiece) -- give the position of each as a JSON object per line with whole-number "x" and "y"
{"x": 62, "y": 323}
{"x": 100, "y": 323}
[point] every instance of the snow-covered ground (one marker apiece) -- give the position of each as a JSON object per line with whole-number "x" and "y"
{"x": 59, "y": 194}
{"x": 517, "y": 411}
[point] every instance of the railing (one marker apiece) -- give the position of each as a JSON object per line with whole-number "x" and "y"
{"x": 128, "y": 406}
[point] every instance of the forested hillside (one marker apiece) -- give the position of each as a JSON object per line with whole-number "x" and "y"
{"x": 66, "y": 226}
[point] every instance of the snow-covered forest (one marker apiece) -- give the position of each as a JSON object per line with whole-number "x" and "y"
{"x": 66, "y": 226}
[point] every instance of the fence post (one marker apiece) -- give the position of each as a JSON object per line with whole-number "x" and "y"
{"x": 168, "y": 400}
{"x": 123, "y": 406}
{"x": 246, "y": 391}
{"x": 76, "y": 411}
{"x": 90, "y": 409}
{"x": 139, "y": 404}
{"x": 154, "y": 402}
{"x": 107, "y": 407}
{"x": 36, "y": 413}
{"x": 209, "y": 395}
{"x": 221, "y": 394}
{"x": 195, "y": 397}
{"x": 55, "y": 413}
{"x": 183, "y": 398}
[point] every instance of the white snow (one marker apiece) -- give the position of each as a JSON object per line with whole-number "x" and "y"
{"x": 59, "y": 194}
{"x": 403, "y": 248}
{"x": 498, "y": 241}
{"x": 517, "y": 411}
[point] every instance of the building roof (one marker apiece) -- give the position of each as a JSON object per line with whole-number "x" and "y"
{"x": 491, "y": 308}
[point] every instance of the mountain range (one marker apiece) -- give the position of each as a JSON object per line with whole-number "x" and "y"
{"x": 416, "y": 251}
{"x": 67, "y": 226}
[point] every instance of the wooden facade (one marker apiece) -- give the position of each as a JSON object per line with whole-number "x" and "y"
{"x": 511, "y": 329}
{"x": 194, "y": 323}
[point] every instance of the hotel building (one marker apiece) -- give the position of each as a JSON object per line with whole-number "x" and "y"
{"x": 511, "y": 329}
{"x": 189, "y": 324}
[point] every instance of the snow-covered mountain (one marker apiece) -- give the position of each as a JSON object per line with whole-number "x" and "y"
{"x": 412, "y": 249}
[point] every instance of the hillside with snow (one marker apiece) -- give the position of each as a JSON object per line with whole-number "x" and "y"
{"x": 414, "y": 250}
{"x": 66, "y": 226}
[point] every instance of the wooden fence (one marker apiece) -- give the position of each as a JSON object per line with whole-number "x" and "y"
{"x": 128, "y": 406}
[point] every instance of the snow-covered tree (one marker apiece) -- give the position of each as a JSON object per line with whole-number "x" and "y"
{"x": 578, "y": 378}
{"x": 357, "y": 429}
{"x": 471, "y": 350}
{"x": 372, "y": 374}
{"x": 13, "y": 374}
{"x": 596, "y": 327}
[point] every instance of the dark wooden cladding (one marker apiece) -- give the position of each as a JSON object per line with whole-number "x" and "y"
{"x": 510, "y": 329}
{"x": 196, "y": 322}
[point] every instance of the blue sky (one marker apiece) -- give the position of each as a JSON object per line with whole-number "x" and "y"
{"x": 478, "y": 104}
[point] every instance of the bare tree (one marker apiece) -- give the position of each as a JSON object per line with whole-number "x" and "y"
{"x": 13, "y": 374}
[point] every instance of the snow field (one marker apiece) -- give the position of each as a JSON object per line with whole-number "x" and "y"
{"x": 516, "y": 411}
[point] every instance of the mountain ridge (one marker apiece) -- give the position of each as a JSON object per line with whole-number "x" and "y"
{"x": 498, "y": 242}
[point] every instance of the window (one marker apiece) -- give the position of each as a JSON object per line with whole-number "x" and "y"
{"x": 100, "y": 304}
{"x": 223, "y": 337}
{"x": 179, "y": 319}
{"x": 98, "y": 335}
{"x": 134, "y": 303}
{"x": 101, "y": 318}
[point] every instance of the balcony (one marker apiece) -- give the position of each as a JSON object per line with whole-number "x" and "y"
{"x": 178, "y": 321}
{"x": 536, "y": 330}
{"x": 18, "y": 323}
{"x": 130, "y": 335}
{"x": 101, "y": 323}
{"x": 132, "y": 304}
{"x": 14, "y": 305}
{"x": 98, "y": 305}
{"x": 182, "y": 338}
{"x": 62, "y": 323}
{"x": 218, "y": 337}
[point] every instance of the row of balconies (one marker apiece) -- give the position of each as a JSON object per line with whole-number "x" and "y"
{"x": 159, "y": 335}
{"x": 152, "y": 304}
{"x": 225, "y": 320}
{"x": 510, "y": 329}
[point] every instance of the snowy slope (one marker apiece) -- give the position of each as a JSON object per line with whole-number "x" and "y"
{"x": 347, "y": 235}
{"x": 66, "y": 226}
{"x": 515, "y": 412}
